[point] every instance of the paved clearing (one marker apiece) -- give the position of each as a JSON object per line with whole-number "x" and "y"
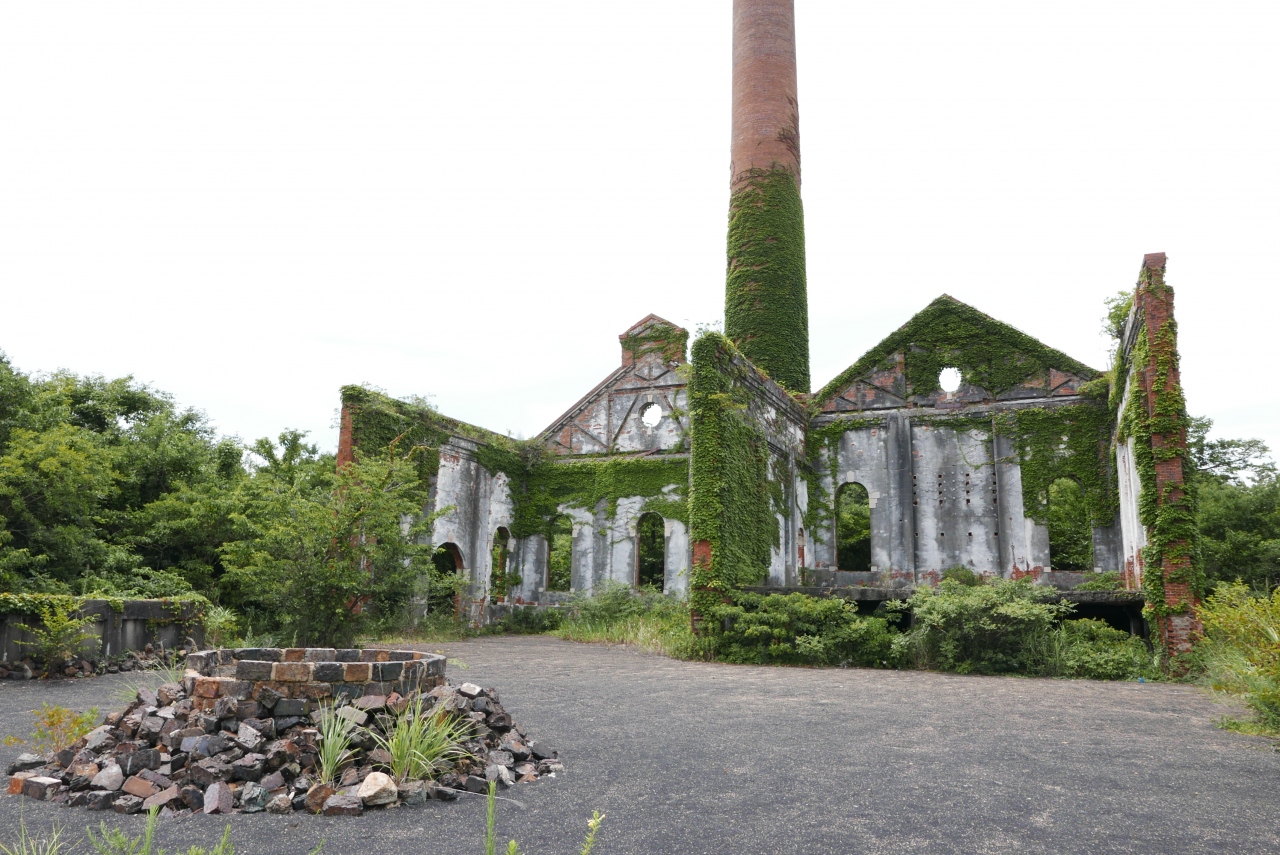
{"x": 698, "y": 758}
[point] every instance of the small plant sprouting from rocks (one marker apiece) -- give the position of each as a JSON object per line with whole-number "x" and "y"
{"x": 56, "y": 728}
{"x": 420, "y": 741}
{"x": 335, "y": 744}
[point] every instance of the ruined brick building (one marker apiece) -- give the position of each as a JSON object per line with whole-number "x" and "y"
{"x": 723, "y": 454}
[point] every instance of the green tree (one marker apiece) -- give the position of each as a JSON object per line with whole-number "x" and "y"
{"x": 330, "y": 558}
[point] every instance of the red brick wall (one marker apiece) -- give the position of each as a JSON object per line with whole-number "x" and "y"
{"x": 766, "y": 113}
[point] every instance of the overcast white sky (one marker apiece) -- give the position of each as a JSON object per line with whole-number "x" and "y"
{"x": 251, "y": 204}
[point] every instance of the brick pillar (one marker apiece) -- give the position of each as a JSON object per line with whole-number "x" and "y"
{"x": 346, "y": 439}
{"x": 1154, "y": 300}
{"x": 766, "y": 112}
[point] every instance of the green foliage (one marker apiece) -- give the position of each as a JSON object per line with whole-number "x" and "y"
{"x": 651, "y": 551}
{"x": 329, "y": 562}
{"x": 490, "y": 820}
{"x": 220, "y": 626}
{"x": 796, "y": 629}
{"x": 1233, "y": 461}
{"x": 53, "y": 844}
{"x": 1091, "y": 650}
{"x": 61, "y": 636}
{"x": 1172, "y": 553}
{"x": 598, "y": 482}
{"x": 962, "y": 576}
{"x": 986, "y": 629}
{"x": 335, "y": 749}
{"x": 1073, "y": 442}
{"x": 1240, "y": 531}
{"x": 560, "y": 554}
{"x": 730, "y": 506}
{"x": 1240, "y": 652}
{"x": 115, "y": 842}
{"x": 766, "y": 302}
{"x": 1108, "y": 581}
{"x": 618, "y": 614}
{"x": 420, "y": 741}
{"x": 950, "y": 334}
{"x": 853, "y": 528}
{"x": 56, "y": 728}
{"x": 529, "y": 620}
{"x": 1070, "y": 527}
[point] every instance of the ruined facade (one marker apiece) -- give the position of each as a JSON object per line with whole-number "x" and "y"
{"x": 724, "y": 450}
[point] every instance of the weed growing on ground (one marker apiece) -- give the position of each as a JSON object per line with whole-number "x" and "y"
{"x": 490, "y": 819}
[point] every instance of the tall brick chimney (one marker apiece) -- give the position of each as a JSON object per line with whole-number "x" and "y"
{"x": 766, "y": 113}
{"x": 766, "y": 300}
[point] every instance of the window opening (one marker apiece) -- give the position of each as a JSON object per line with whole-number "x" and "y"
{"x": 853, "y": 528}
{"x": 651, "y": 551}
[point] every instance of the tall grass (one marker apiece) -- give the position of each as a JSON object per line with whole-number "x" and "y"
{"x": 1240, "y": 651}
{"x": 617, "y": 614}
{"x": 420, "y": 741}
{"x": 335, "y": 744}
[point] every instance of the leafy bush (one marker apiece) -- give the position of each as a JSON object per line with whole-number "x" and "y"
{"x": 1092, "y": 650}
{"x": 220, "y": 625}
{"x": 797, "y": 629}
{"x": 528, "y": 620}
{"x": 61, "y": 636}
{"x": 1108, "y": 581}
{"x": 987, "y": 629}
{"x": 56, "y": 728}
{"x": 1240, "y": 652}
{"x": 963, "y": 576}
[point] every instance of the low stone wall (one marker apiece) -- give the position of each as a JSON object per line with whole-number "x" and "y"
{"x": 120, "y": 627}
{"x": 296, "y": 679}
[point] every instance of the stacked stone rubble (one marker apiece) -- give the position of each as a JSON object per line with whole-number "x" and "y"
{"x": 239, "y": 734}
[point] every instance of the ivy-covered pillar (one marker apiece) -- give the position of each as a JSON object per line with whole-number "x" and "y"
{"x": 1172, "y": 577}
{"x": 766, "y": 301}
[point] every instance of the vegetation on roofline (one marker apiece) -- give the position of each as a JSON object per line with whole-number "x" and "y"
{"x": 950, "y": 334}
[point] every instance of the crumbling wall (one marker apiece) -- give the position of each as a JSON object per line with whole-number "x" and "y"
{"x": 961, "y": 477}
{"x": 1158, "y": 499}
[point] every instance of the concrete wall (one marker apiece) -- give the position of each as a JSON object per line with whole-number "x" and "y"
{"x": 137, "y": 624}
{"x": 940, "y": 497}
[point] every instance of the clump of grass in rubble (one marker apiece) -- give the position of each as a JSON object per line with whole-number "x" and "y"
{"x": 419, "y": 740}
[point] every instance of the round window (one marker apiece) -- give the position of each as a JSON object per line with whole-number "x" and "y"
{"x": 651, "y": 414}
{"x": 949, "y": 379}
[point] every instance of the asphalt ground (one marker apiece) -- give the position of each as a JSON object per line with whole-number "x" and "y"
{"x": 705, "y": 758}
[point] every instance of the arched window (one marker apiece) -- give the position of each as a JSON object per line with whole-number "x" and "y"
{"x": 447, "y": 581}
{"x": 499, "y": 581}
{"x": 853, "y": 528}
{"x": 651, "y": 551}
{"x": 559, "y": 553}
{"x": 1070, "y": 528}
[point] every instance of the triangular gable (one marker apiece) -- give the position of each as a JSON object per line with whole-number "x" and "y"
{"x": 993, "y": 357}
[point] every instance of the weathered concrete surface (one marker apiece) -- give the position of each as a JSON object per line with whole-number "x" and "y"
{"x": 704, "y": 758}
{"x": 138, "y": 623}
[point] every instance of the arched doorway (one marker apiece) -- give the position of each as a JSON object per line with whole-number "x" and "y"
{"x": 853, "y": 528}
{"x": 559, "y": 553}
{"x": 500, "y": 582}
{"x": 447, "y": 579}
{"x": 1070, "y": 527}
{"x": 651, "y": 551}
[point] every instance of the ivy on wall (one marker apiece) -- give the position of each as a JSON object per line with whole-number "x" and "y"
{"x": 1173, "y": 535}
{"x": 670, "y": 341}
{"x": 766, "y": 303}
{"x": 730, "y": 499}
{"x": 951, "y": 334}
{"x": 538, "y": 483}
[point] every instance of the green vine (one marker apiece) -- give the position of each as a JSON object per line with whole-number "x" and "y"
{"x": 730, "y": 497}
{"x": 766, "y": 310}
{"x": 950, "y": 334}
{"x": 1173, "y": 534}
{"x": 670, "y": 341}
{"x": 589, "y": 483}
